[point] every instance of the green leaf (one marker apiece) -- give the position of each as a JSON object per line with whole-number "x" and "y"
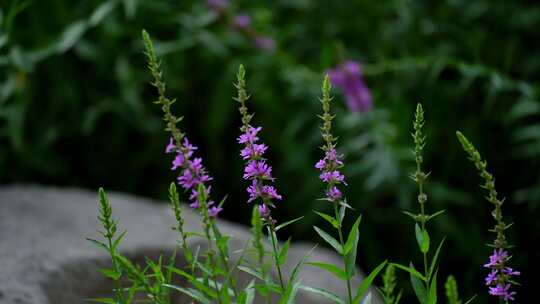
{"x": 283, "y": 252}
{"x": 98, "y": 243}
{"x": 110, "y": 273}
{"x": 411, "y": 271}
{"x": 368, "y": 299}
{"x": 434, "y": 215}
{"x": 353, "y": 236}
{"x": 329, "y": 239}
{"x": 418, "y": 287}
{"x": 422, "y": 238}
{"x": 101, "y": 12}
{"x": 432, "y": 297}
{"x": 324, "y": 293}
{"x": 290, "y": 294}
{"x": 329, "y": 219}
{"x": 412, "y": 215}
{"x": 288, "y": 223}
{"x": 252, "y": 271}
{"x": 119, "y": 239}
{"x": 363, "y": 288}
{"x": 71, "y": 36}
{"x": 435, "y": 258}
{"x": 350, "y": 259}
{"x": 200, "y": 286}
{"x": 338, "y": 272}
{"x": 250, "y": 292}
{"x": 471, "y": 299}
{"x": 195, "y": 294}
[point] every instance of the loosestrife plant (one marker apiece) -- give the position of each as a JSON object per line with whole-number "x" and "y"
{"x": 211, "y": 273}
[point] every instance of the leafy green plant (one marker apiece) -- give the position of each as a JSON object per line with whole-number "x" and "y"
{"x": 211, "y": 274}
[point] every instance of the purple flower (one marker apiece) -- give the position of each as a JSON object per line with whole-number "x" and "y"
{"x": 258, "y": 169}
{"x": 510, "y": 272}
{"x": 329, "y": 166}
{"x": 491, "y": 277}
{"x": 264, "y": 43}
{"x": 170, "y": 147}
{"x": 192, "y": 173}
{"x": 348, "y": 77}
{"x": 500, "y": 274}
{"x": 214, "y": 211}
{"x": 242, "y": 22}
{"x": 332, "y": 177}
{"x": 253, "y": 151}
{"x": 502, "y": 291}
{"x": 333, "y": 194}
{"x": 264, "y": 211}
{"x": 270, "y": 192}
{"x": 178, "y": 161}
{"x": 497, "y": 258}
{"x": 250, "y": 136}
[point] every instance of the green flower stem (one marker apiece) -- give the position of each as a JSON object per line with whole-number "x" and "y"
{"x": 211, "y": 253}
{"x": 419, "y": 176}
{"x": 275, "y": 249}
{"x": 223, "y": 257}
{"x": 342, "y": 243}
{"x": 256, "y": 230}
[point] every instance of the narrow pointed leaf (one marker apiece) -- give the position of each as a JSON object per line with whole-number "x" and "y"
{"x": 329, "y": 239}
{"x": 435, "y": 258}
{"x": 324, "y": 293}
{"x": 338, "y": 272}
{"x": 353, "y": 235}
{"x": 411, "y": 271}
{"x": 329, "y": 219}
{"x": 418, "y": 287}
{"x": 363, "y": 288}
{"x": 288, "y": 223}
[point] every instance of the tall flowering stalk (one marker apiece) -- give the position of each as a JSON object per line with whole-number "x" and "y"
{"x": 499, "y": 279}
{"x": 193, "y": 177}
{"x": 257, "y": 171}
{"x": 330, "y": 166}
{"x": 424, "y": 284}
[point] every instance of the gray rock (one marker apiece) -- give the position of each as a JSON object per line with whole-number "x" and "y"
{"x": 45, "y": 259}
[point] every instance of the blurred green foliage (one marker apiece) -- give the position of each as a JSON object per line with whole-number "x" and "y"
{"x": 75, "y": 107}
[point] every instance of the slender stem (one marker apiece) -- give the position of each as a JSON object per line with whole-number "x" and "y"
{"x": 222, "y": 255}
{"x": 211, "y": 259}
{"x": 275, "y": 247}
{"x": 342, "y": 243}
{"x": 118, "y": 287}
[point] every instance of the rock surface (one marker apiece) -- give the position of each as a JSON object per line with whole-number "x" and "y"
{"x": 45, "y": 259}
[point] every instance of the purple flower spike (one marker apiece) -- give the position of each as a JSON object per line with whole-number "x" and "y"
{"x": 256, "y": 170}
{"x": 242, "y": 22}
{"x": 348, "y": 77}
{"x": 500, "y": 275}
{"x": 192, "y": 173}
